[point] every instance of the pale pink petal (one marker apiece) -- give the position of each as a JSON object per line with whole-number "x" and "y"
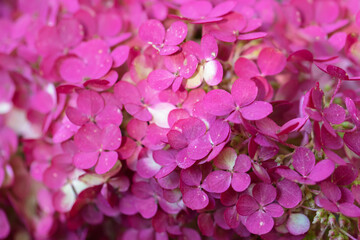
{"x": 85, "y": 160}
{"x": 217, "y": 181}
{"x": 147, "y": 167}
{"x": 271, "y": 61}
{"x": 298, "y": 224}
{"x": 257, "y": 110}
{"x": 226, "y": 159}
{"x": 213, "y": 72}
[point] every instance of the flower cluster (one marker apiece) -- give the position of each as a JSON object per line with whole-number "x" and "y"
{"x": 179, "y": 119}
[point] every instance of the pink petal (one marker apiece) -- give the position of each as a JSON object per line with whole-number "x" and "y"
{"x": 199, "y": 148}
{"x": 219, "y": 131}
{"x": 322, "y": 170}
{"x": 147, "y": 167}
{"x": 292, "y": 126}
{"x": 274, "y": 210}
{"x": 261, "y": 172}
{"x": 252, "y": 36}
{"x": 257, "y": 110}
{"x": 189, "y": 66}
{"x": 111, "y": 114}
{"x": 289, "y": 194}
{"x": 195, "y": 9}
{"x": 109, "y": 24}
{"x": 88, "y": 138}
{"x": 246, "y": 205}
{"x": 240, "y": 181}
{"x": 345, "y": 175}
{"x": 71, "y": 32}
{"x": 245, "y": 69}
{"x": 271, "y": 61}
{"x": 352, "y": 141}
{"x": 334, "y": 157}
{"x": 231, "y": 217}
{"x": 120, "y": 55}
{"x": 170, "y": 181}
{"x": 331, "y": 191}
{"x": 160, "y": 79}
{"x": 226, "y": 159}
{"x": 4, "y": 225}
{"x": 331, "y": 141}
{"x": 264, "y": 193}
{"x": 222, "y": 8}
{"x": 213, "y": 72}
{"x": 85, "y": 160}
{"x": 54, "y": 178}
{"x": 136, "y": 129}
{"x": 298, "y": 224}
{"x": 242, "y": 164}
{"x": 192, "y": 128}
{"x": 217, "y": 181}
{"x": 209, "y": 47}
{"x": 326, "y": 11}
{"x": 195, "y": 198}
{"x": 146, "y": 207}
{"x": 152, "y": 32}
{"x": 106, "y": 161}
{"x": 259, "y": 223}
{"x": 90, "y": 102}
{"x": 244, "y": 92}
{"x": 126, "y": 92}
{"x": 191, "y": 176}
{"x": 111, "y": 137}
{"x": 176, "y": 139}
{"x": 303, "y": 160}
{"x": 349, "y": 209}
{"x": 72, "y": 70}
{"x": 206, "y": 224}
{"x": 168, "y": 50}
{"x": 176, "y": 33}
{"x": 219, "y": 102}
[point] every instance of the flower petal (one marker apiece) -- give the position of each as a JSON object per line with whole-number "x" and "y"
{"x": 298, "y": 224}
{"x": 257, "y": 110}
{"x": 271, "y": 61}
{"x": 106, "y": 161}
{"x": 217, "y": 181}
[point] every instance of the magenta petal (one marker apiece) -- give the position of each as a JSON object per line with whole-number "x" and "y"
{"x": 271, "y": 61}
{"x": 352, "y": 140}
{"x": 4, "y": 225}
{"x": 146, "y": 207}
{"x": 152, "y": 32}
{"x": 240, "y": 181}
{"x": 176, "y": 33}
{"x": 111, "y": 114}
{"x": 126, "y": 93}
{"x": 217, "y": 181}
{"x": 257, "y": 110}
{"x": 88, "y": 138}
{"x": 76, "y": 117}
{"x": 274, "y": 210}
{"x": 192, "y": 128}
{"x": 54, "y": 178}
{"x": 170, "y": 182}
{"x": 176, "y": 139}
{"x": 111, "y": 137}
{"x": 191, "y": 176}
{"x": 289, "y": 194}
{"x": 72, "y": 70}
{"x": 219, "y": 131}
{"x": 209, "y": 47}
{"x": 331, "y": 141}
{"x": 244, "y": 92}
{"x": 168, "y": 50}
{"x": 331, "y": 191}
{"x": 213, "y": 72}
{"x": 206, "y": 224}
{"x": 259, "y": 223}
{"x": 298, "y": 224}
{"x": 219, "y": 102}
{"x": 322, "y": 170}
{"x": 85, "y": 160}
{"x": 222, "y": 8}
{"x": 183, "y": 160}
{"x": 264, "y": 193}
{"x": 106, "y": 161}
{"x": 246, "y": 205}
{"x": 195, "y": 9}
{"x": 231, "y": 217}
{"x": 349, "y": 209}
{"x": 303, "y": 160}
{"x": 245, "y": 69}
{"x": 334, "y": 157}
{"x": 160, "y": 79}
{"x": 199, "y": 148}
{"x": 226, "y": 159}
{"x": 335, "y": 114}
{"x": 252, "y": 36}
{"x": 195, "y": 198}
{"x": 90, "y": 102}
{"x": 120, "y": 54}
{"x": 345, "y": 175}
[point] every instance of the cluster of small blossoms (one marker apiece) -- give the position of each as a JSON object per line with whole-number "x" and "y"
{"x": 179, "y": 119}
